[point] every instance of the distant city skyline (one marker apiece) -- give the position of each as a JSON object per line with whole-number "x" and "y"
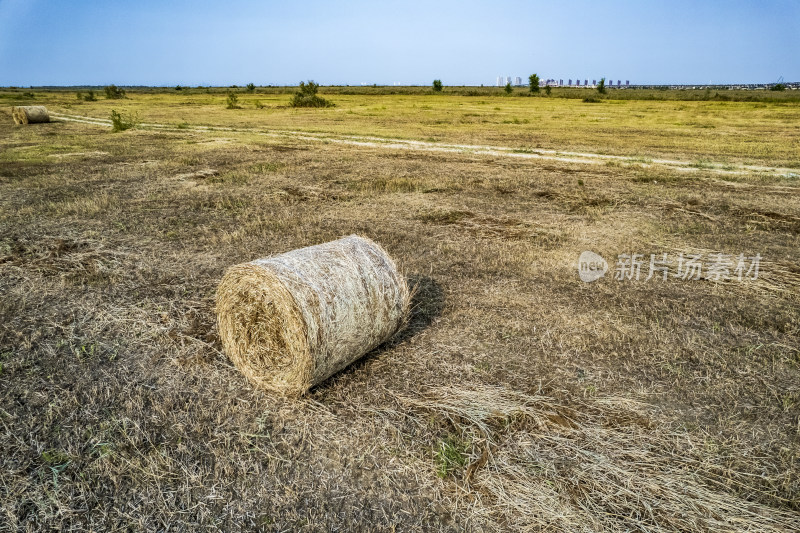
{"x": 200, "y": 42}
{"x": 557, "y": 82}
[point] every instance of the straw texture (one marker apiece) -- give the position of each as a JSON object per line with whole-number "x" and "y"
{"x": 31, "y": 114}
{"x": 290, "y": 321}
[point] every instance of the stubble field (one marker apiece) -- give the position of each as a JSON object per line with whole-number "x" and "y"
{"x": 519, "y": 398}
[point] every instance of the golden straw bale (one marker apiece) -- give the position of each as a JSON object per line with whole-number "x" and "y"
{"x": 290, "y": 321}
{"x": 30, "y": 114}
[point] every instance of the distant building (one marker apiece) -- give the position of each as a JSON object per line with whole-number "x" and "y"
{"x": 560, "y": 82}
{"x": 508, "y": 79}
{"x": 594, "y": 82}
{"x": 569, "y": 82}
{"x": 518, "y": 81}
{"x": 585, "y": 82}
{"x": 499, "y": 81}
{"x": 619, "y": 83}
{"x": 627, "y": 83}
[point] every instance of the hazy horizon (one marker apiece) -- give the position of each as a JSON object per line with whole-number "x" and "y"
{"x": 410, "y": 43}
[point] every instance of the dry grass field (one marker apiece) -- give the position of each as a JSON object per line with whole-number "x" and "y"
{"x": 518, "y": 399}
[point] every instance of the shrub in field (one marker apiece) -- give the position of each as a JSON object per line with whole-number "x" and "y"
{"x": 778, "y": 87}
{"x": 90, "y": 97}
{"x": 114, "y": 93}
{"x": 508, "y": 88}
{"x": 547, "y": 90}
{"x": 533, "y": 83}
{"x": 122, "y": 122}
{"x": 307, "y": 96}
{"x": 601, "y": 86}
{"x": 232, "y": 101}
{"x": 437, "y": 85}
{"x": 251, "y": 87}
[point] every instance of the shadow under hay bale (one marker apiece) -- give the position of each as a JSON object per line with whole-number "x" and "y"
{"x": 290, "y": 321}
{"x": 31, "y": 114}
{"x": 427, "y": 303}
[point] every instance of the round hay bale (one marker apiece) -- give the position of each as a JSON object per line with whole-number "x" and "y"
{"x": 30, "y": 114}
{"x": 291, "y": 321}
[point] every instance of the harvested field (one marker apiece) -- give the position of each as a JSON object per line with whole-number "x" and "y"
{"x": 519, "y": 398}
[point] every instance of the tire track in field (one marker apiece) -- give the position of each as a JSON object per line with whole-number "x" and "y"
{"x": 427, "y": 146}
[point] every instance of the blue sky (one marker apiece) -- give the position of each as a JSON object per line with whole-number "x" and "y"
{"x": 144, "y": 42}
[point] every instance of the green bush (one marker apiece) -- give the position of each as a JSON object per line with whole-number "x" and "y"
{"x": 90, "y": 97}
{"x": 114, "y": 93}
{"x": 307, "y": 96}
{"x": 778, "y": 87}
{"x": 437, "y": 85}
{"x": 508, "y": 89}
{"x": 251, "y": 87}
{"x": 547, "y": 90}
{"x": 122, "y": 122}
{"x": 601, "y": 86}
{"x": 533, "y": 83}
{"x": 233, "y": 100}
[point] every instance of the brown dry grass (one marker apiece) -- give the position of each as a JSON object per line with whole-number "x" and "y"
{"x": 519, "y": 398}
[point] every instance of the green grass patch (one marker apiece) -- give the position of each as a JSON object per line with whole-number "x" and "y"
{"x": 450, "y": 455}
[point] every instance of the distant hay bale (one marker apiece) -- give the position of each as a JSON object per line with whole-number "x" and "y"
{"x": 291, "y": 321}
{"x": 30, "y": 114}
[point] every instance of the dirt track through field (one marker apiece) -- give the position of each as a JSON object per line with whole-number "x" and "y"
{"x": 496, "y": 151}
